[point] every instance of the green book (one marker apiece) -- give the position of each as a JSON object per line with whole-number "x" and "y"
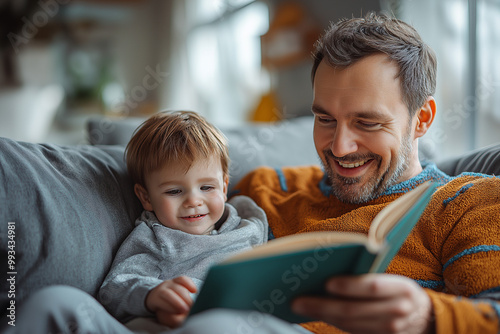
{"x": 268, "y": 277}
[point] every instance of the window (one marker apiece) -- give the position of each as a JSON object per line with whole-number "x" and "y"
{"x": 223, "y": 58}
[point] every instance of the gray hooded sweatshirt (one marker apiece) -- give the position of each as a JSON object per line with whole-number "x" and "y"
{"x": 153, "y": 253}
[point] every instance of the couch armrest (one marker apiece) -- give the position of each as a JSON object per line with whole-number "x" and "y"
{"x": 71, "y": 206}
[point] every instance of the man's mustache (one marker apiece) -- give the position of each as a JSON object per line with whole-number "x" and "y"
{"x": 351, "y": 158}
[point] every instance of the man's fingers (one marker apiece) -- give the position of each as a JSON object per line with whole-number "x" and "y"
{"x": 372, "y": 286}
{"x": 333, "y": 310}
{"x": 370, "y": 303}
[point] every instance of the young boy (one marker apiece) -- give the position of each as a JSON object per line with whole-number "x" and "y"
{"x": 180, "y": 166}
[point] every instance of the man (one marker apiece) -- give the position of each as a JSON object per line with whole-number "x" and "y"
{"x": 373, "y": 82}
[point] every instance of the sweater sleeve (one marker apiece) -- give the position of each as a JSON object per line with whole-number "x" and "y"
{"x": 470, "y": 257}
{"x": 251, "y": 183}
{"x": 453, "y": 314}
{"x": 133, "y": 274}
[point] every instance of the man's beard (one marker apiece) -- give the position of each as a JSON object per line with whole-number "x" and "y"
{"x": 344, "y": 187}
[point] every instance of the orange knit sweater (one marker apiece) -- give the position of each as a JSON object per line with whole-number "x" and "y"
{"x": 453, "y": 252}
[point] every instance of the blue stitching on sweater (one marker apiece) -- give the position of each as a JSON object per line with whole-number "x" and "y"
{"x": 282, "y": 179}
{"x": 429, "y": 172}
{"x": 473, "y": 250}
{"x": 485, "y": 292}
{"x": 431, "y": 284}
{"x": 324, "y": 187}
{"x": 270, "y": 234}
{"x": 459, "y": 192}
{"x": 496, "y": 307}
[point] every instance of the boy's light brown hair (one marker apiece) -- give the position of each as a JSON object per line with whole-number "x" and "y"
{"x": 179, "y": 137}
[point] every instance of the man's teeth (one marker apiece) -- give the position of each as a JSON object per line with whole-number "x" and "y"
{"x": 353, "y": 165}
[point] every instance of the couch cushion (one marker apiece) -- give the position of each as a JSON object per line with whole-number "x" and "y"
{"x": 112, "y": 131}
{"x": 280, "y": 144}
{"x": 485, "y": 160}
{"x": 71, "y": 208}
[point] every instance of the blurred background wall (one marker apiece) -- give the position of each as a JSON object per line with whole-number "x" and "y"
{"x": 234, "y": 61}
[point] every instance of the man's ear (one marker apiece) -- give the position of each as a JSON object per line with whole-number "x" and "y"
{"x": 143, "y": 196}
{"x": 425, "y": 117}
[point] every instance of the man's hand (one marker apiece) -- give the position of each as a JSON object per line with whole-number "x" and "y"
{"x": 170, "y": 300}
{"x": 372, "y": 303}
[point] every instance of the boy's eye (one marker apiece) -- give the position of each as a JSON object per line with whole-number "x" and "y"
{"x": 207, "y": 188}
{"x": 173, "y": 192}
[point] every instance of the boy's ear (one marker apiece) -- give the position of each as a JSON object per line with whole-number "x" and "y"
{"x": 425, "y": 117}
{"x": 226, "y": 183}
{"x": 143, "y": 196}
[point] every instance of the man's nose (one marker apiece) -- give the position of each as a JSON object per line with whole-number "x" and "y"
{"x": 344, "y": 142}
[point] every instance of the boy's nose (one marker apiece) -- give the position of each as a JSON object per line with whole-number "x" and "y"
{"x": 193, "y": 200}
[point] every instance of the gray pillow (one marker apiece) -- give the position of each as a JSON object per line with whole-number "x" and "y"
{"x": 485, "y": 160}
{"x": 111, "y": 131}
{"x": 280, "y": 144}
{"x": 71, "y": 208}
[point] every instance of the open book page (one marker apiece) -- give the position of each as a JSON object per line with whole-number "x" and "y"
{"x": 391, "y": 215}
{"x": 298, "y": 242}
{"x": 393, "y": 226}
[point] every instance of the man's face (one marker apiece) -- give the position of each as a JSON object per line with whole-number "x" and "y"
{"x": 362, "y": 130}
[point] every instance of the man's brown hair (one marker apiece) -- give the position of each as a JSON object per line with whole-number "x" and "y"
{"x": 179, "y": 137}
{"x": 349, "y": 40}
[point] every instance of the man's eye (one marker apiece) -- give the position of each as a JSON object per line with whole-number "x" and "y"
{"x": 207, "y": 188}
{"x": 369, "y": 125}
{"x": 324, "y": 120}
{"x": 173, "y": 192}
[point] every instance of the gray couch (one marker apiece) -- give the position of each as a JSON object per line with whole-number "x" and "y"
{"x": 70, "y": 207}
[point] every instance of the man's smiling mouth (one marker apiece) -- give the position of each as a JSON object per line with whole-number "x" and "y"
{"x": 354, "y": 164}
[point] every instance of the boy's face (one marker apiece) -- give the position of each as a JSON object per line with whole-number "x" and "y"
{"x": 191, "y": 201}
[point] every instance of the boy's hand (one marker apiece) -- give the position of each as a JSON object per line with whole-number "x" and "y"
{"x": 170, "y": 300}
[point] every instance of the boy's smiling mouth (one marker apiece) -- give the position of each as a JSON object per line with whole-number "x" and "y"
{"x": 194, "y": 217}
